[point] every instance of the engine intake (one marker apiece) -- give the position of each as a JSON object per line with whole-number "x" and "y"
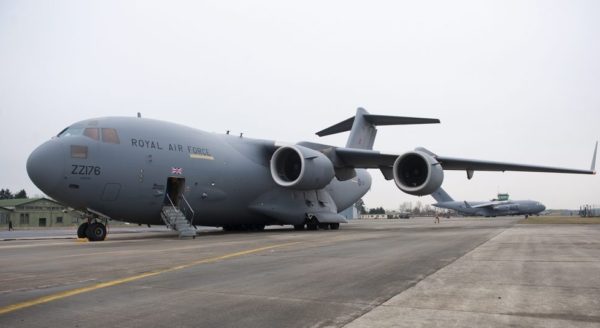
{"x": 418, "y": 173}
{"x": 301, "y": 168}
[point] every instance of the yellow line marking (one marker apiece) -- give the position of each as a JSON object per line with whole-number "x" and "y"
{"x": 73, "y": 292}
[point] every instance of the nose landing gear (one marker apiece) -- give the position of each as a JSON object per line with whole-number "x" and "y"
{"x": 92, "y": 230}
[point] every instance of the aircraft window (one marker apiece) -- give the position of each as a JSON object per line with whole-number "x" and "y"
{"x": 92, "y": 133}
{"x": 110, "y": 135}
{"x": 79, "y": 151}
{"x": 70, "y": 131}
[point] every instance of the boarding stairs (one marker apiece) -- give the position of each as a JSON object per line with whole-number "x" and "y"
{"x": 176, "y": 220}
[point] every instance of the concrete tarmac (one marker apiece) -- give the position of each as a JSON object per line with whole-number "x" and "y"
{"x": 380, "y": 273}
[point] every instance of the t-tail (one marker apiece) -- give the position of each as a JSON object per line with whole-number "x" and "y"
{"x": 362, "y": 127}
{"x": 441, "y": 196}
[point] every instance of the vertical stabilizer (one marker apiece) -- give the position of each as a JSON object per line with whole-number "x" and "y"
{"x": 441, "y": 196}
{"x": 362, "y": 135}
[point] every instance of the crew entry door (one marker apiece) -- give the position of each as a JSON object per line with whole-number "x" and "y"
{"x": 175, "y": 188}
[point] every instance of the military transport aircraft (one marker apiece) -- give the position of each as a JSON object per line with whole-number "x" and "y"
{"x": 493, "y": 208}
{"x": 153, "y": 172}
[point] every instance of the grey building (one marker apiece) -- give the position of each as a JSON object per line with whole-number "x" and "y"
{"x": 36, "y": 212}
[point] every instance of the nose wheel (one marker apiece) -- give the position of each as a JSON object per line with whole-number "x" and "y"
{"x": 93, "y": 231}
{"x": 82, "y": 230}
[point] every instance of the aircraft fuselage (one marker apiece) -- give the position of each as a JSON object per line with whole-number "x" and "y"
{"x": 516, "y": 207}
{"x": 125, "y": 167}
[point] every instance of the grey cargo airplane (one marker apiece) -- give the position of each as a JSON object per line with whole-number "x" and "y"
{"x": 153, "y": 172}
{"x": 496, "y": 207}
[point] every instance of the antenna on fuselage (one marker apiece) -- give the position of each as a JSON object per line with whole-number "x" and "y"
{"x": 139, "y": 115}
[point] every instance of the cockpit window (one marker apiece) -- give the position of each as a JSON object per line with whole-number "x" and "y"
{"x": 110, "y": 135}
{"x": 92, "y": 133}
{"x": 70, "y": 131}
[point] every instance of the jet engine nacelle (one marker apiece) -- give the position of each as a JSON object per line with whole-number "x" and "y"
{"x": 418, "y": 173}
{"x": 301, "y": 168}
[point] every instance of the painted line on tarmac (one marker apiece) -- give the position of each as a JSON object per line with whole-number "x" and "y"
{"x": 73, "y": 292}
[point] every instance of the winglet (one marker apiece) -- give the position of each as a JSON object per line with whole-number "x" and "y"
{"x": 593, "y": 168}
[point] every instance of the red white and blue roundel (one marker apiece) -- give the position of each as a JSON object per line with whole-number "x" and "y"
{"x": 177, "y": 170}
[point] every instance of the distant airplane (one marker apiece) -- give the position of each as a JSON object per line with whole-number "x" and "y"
{"x": 153, "y": 172}
{"x": 496, "y": 207}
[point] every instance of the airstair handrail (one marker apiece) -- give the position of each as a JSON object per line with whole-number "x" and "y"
{"x": 171, "y": 201}
{"x": 190, "y": 208}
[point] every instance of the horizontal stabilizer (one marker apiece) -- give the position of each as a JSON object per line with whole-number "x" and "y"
{"x": 376, "y": 120}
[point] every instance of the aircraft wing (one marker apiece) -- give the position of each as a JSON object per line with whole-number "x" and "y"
{"x": 365, "y": 159}
{"x": 490, "y": 204}
{"x": 360, "y": 158}
{"x": 452, "y": 163}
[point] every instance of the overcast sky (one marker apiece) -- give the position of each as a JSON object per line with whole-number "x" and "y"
{"x": 515, "y": 81}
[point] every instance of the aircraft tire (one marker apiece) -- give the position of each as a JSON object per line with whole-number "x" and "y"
{"x": 82, "y": 230}
{"x": 324, "y": 226}
{"x": 298, "y": 227}
{"x": 96, "y": 232}
{"x": 257, "y": 227}
{"x": 312, "y": 226}
{"x": 334, "y": 226}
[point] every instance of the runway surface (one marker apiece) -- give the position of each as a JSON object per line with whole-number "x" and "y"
{"x": 276, "y": 278}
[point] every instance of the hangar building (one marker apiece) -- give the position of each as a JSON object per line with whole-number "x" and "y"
{"x": 35, "y": 212}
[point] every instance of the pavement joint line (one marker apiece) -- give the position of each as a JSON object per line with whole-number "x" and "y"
{"x": 77, "y": 291}
{"x": 538, "y": 261}
{"x": 417, "y": 281}
{"x": 547, "y": 316}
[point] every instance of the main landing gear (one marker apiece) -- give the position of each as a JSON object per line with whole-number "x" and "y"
{"x": 317, "y": 226}
{"x": 92, "y": 230}
{"x": 312, "y": 223}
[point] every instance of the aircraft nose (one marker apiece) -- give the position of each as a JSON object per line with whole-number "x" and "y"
{"x": 543, "y": 207}
{"x": 45, "y": 166}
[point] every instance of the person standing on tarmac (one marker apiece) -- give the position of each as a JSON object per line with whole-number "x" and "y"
{"x": 10, "y": 226}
